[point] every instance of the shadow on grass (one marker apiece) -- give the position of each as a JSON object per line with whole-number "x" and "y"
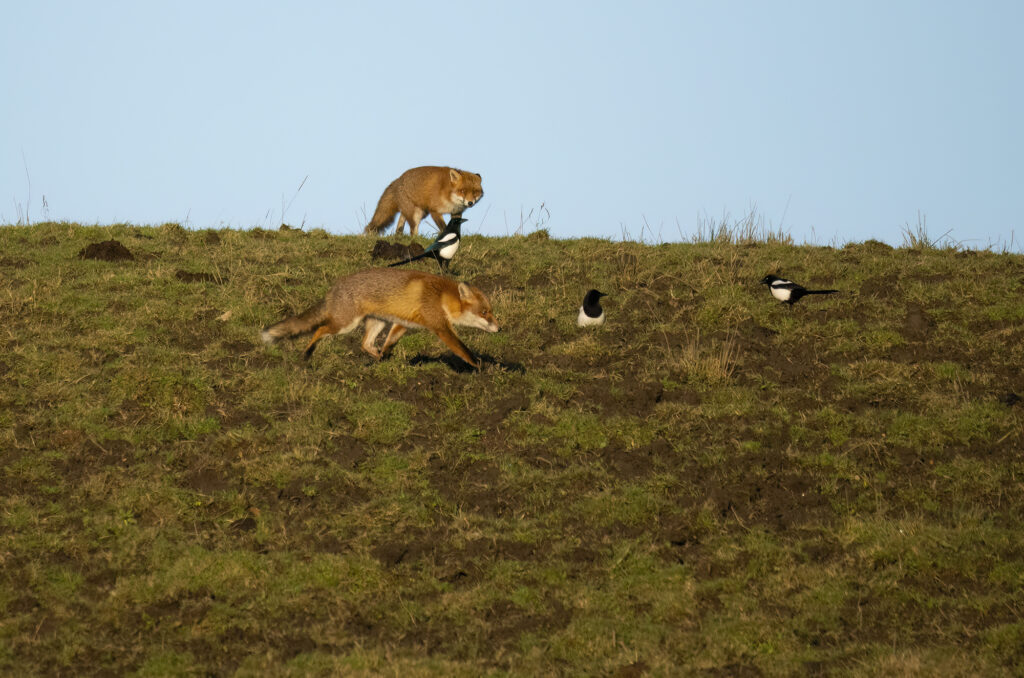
{"x": 456, "y": 364}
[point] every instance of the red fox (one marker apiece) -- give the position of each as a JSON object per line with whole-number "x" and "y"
{"x": 425, "y": 190}
{"x": 406, "y": 299}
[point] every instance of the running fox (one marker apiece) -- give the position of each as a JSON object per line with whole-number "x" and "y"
{"x": 422, "y": 191}
{"x": 406, "y": 299}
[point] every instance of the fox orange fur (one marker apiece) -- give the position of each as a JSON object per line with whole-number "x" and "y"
{"x": 422, "y": 191}
{"x": 405, "y": 299}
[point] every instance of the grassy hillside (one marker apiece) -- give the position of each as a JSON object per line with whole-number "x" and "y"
{"x": 710, "y": 484}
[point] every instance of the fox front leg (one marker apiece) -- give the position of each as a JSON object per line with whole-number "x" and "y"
{"x": 439, "y": 220}
{"x": 396, "y": 333}
{"x": 458, "y": 348}
{"x": 374, "y": 326}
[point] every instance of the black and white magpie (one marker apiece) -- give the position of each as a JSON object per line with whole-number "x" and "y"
{"x": 444, "y": 248}
{"x": 787, "y": 291}
{"x": 591, "y": 312}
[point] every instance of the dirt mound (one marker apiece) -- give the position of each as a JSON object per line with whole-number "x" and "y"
{"x": 108, "y": 250}
{"x": 383, "y": 249}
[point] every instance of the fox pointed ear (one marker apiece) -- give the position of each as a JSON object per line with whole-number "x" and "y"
{"x": 464, "y": 291}
{"x": 454, "y": 175}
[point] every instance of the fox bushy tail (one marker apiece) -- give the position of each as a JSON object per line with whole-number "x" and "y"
{"x": 385, "y": 213}
{"x": 305, "y": 322}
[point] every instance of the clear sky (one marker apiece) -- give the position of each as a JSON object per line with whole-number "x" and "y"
{"x": 835, "y": 121}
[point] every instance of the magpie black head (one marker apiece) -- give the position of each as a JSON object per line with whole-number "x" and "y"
{"x": 593, "y": 297}
{"x": 769, "y": 279}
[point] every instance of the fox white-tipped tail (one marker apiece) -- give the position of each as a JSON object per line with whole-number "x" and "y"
{"x": 303, "y": 323}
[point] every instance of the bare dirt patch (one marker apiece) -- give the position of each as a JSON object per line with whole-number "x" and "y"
{"x": 207, "y": 480}
{"x": 918, "y": 325}
{"x": 473, "y": 485}
{"x": 631, "y": 464}
{"x": 626, "y": 395}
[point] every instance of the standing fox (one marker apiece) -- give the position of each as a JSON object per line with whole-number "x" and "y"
{"x": 406, "y": 299}
{"x": 422, "y": 191}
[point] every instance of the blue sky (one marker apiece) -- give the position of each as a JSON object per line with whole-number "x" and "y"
{"x": 835, "y": 121}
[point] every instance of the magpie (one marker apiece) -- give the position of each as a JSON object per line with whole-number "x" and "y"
{"x": 591, "y": 312}
{"x": 789, "y": 292}
{"x": 444, "y": 248}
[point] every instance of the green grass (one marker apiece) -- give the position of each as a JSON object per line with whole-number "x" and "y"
{"x": 711, "y": 483}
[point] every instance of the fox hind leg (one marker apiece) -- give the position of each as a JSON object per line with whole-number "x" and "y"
{"x": 332, "y": 326}
{"x": 321, "y": 332}
{"x": 414, "y": 220}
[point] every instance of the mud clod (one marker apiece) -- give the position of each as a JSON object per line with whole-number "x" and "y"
{"x": 108, "y": 250}
{"x": 383, "y": 249}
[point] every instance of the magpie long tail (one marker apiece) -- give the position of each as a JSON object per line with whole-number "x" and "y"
{"x": 821, "y": 291}
{"x": 428, "y": 253}
{"x": 406, "y": 261}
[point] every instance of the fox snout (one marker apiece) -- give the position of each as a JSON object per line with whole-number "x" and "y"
{"x": 481, "y": 323}
{"x": 471, "y": 198}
